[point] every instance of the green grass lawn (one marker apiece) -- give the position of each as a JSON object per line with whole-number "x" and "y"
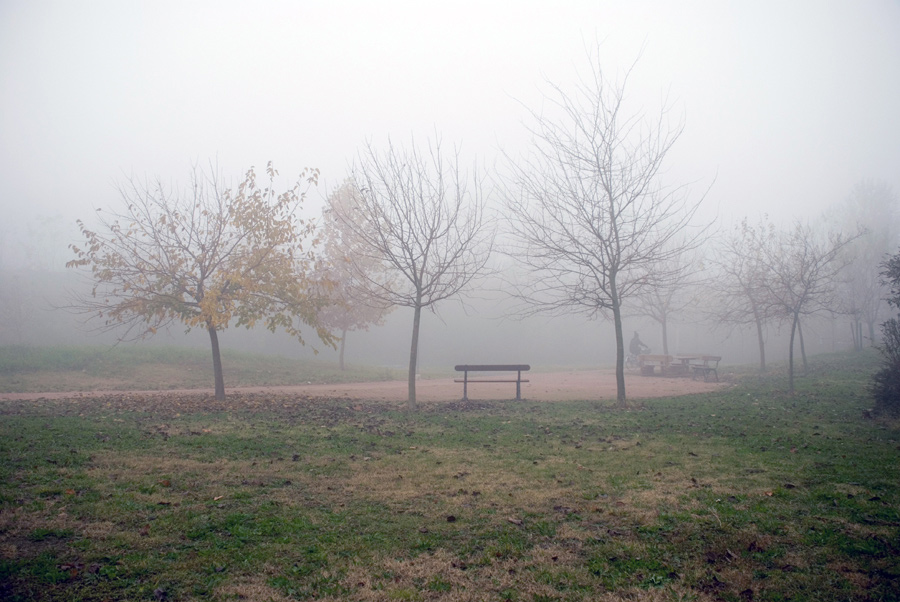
{"x": 742, "y": 494}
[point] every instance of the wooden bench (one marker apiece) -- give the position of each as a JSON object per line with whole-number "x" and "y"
{"x": 517, "y": 368}
{"x": 649, "y": 363}
{"x": 705, "y": 365}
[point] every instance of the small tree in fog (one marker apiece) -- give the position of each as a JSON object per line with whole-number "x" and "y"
{"x": 803, "y": 266}
{"x": 591, "y": 221}
{"x": 875, "y": 207}
{"x": 423, "y": 219}
{"x": 673, "y": 289}
{"x": 350, "y": 267}
{"x": 740, "y": 296}
{"x": 205, "y": 256}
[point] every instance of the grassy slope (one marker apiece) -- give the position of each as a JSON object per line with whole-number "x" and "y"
{"x": 737, "y": 495}
{"x": 27, "y": 369}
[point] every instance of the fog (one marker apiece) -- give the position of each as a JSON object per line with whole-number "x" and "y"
{"x": 786, "y": 106}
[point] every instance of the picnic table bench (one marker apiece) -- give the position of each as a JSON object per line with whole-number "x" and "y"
{"x": 517, "y": 368}
{"x": 694, "y": 365}
{"x": 649, "y": 362}
{"x": 703, "y": 365}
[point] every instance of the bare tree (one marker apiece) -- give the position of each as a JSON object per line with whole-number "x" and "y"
{"x": 353, "y": 307}
{"x": 672, "y": 291}
{"x": 423, "y": 218}
{"x": 740, "y": 294}
{"x": 591, "y": 220}
{"x": 203, "y": 256}
{"x": 803, "y": 267}
{"x": 872, "y": 206}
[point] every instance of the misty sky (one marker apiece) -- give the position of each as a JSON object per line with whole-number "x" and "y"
{"x": 787, "y": 103}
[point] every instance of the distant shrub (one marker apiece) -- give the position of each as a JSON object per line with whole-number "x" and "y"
{"x": 886, "y": 382}
{"x": 886, "y": 390}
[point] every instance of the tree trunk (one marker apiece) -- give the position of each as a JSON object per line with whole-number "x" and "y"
{"x": 854, "y": 331}
{"x": 760, "y": 339}
{"x": 871, "y": 325}
{"x": 414, "y": 358}
{"x": 791, "y": 356}
{"x": 665, "y": 333}
{"x": 802, "y": 347}
{"x": 217, "y": 362}
{"x": 343, "y": 343}
{"x": 621, "y": 400}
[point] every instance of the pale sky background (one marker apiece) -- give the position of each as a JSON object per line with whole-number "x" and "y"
{"x": 786, "y": 103}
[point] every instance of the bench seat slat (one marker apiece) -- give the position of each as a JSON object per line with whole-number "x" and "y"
{"x": 492, "y": 367}
{"x": 484, "y": 380}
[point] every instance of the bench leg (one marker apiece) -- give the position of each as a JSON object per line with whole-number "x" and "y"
{"x": 706, "y": 372}
{"x": 519, "y": 387}
{"x": 465, "y": 386}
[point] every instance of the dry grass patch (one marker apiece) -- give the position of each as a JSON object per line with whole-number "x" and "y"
{"x": 460, "y": 478}
{"x": 20, "y": 522}
{"x": 672, "y": 593}
{"x": 573, "y": 535}
{"x": 445, "y": 577}
{"x": 98, "y": 530}
{"x": 546, "y": 572}
{"x": 189, "y": 476}
{"x": 253, "y": 588}
{"x": 851, "y": 573}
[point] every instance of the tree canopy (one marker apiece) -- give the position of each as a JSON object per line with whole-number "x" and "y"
{"x": 204, "y": 256}
{"x": 740, "y": 296}
{"x": 349, "y": 267}
{"x": 592, "y": 221}
{"x": 422, "y": 218}
{"x": 802, "y": 266}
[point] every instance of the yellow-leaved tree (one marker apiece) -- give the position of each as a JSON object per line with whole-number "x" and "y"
{"x": 351, "y": 267}
{"x": 206, "y": 256}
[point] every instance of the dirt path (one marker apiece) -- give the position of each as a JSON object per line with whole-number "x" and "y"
{"x": 543, "y": 386}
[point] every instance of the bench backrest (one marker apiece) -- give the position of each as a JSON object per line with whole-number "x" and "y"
{"x": 492, "y": 367}
{"x": 698, "y": 357}
{"x": 663, "y": 359}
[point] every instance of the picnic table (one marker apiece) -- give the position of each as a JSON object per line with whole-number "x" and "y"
{"x": 701, "y": 365}
{"x": 694, "y": 365}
